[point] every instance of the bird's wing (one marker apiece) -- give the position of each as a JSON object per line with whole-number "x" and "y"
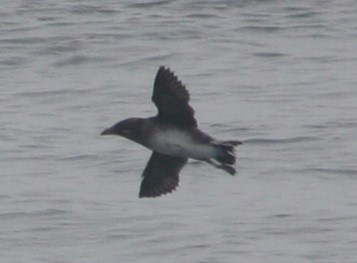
{"x": 161, "y": 175}
{"x": 171, "y": 98}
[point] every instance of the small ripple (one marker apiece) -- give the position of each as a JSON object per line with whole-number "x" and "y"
{"x": 351, "y": 218}
{"x": 335, "y": 171}
{"x": 202, "y": 15}
{"x": 280, "y": 141}
{"x": 150, "y": 4}
{"x": 334, "y": 124}
{"x": 24, "y": 40}
{"x": 79, "y": 157}
{"x": 44, "y": 212}
{"x": 262, "y": 28}
{"x": 78, "y": 60}
{"x": 269, "y": 54}
{"x": 89, "y": 9}
{"x": 51, "y": 212}
{"x": 4, "y": 196}
{"x": 54, "y": 93}
{"x": 304, "y": 14}
{"x": 277, "y": 216}
{"x": 14, "y": 61}
{"x": 12, "y": 215}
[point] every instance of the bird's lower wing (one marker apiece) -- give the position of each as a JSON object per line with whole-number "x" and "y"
{"x": 161, "y": 175}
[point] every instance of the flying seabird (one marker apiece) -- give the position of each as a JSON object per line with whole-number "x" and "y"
{"x": 173, "y": 136}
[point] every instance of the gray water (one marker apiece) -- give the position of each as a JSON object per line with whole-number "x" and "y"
{"x": 278, "y": 75}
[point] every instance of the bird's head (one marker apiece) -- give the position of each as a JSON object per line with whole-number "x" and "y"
{"x": 129, "y": 128}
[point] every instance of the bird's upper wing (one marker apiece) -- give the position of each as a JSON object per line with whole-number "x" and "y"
{"x": 171, "y": 98}
{"x": 161, "y": 175}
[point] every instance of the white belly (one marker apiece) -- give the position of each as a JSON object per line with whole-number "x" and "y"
{"x": 177, "y": 143}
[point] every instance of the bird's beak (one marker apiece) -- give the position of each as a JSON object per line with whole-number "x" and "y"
{"x": 107, "y": 131}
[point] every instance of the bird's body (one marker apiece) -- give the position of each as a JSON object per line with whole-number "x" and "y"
{"x": 180, "y": 143}
{"x": 173, "y": 136}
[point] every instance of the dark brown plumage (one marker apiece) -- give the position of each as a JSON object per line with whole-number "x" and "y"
{"x": 161, "y": 175}
{"x": 171, "y": 99}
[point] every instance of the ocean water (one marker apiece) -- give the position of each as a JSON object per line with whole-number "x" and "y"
{"x": 278, "y": 75}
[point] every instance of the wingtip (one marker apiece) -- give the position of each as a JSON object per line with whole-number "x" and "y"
{"x": 154, "y": 194}
{"x": 164, "y": 69}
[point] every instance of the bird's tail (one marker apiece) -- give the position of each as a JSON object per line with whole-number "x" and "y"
{"x": 225, "y": 156}
{"x": 226, "y": 152}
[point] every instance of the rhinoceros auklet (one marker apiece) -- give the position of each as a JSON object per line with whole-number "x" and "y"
{"x": 173, "y": 137}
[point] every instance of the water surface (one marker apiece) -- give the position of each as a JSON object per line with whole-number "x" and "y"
{"x": 278, "y": 75}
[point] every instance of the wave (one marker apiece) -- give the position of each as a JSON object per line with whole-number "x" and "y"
{"x": 280, "y": 141}
{"x": 340, "y": 171}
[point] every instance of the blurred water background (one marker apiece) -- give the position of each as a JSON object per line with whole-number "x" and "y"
{"x": 278, "y": 75}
